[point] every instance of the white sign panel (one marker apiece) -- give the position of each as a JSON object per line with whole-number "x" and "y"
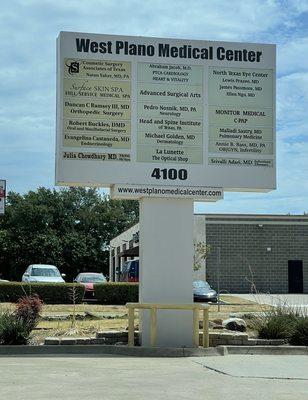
{"x": 139, "y": 191}
{"x": 2, "y": 196}
{"x": 165, "y": 112}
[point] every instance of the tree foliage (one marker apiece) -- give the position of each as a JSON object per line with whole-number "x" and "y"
{"x": 201, "y": 251}
{"x": 70, "y": 228}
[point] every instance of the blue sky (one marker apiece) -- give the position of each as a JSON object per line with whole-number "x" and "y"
{"x": 29, "y": 30}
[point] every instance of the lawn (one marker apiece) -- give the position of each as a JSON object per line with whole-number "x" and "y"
{"x": 91, "y": 318}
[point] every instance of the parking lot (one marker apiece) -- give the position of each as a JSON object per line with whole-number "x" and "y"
{"x": 110, "y": 377}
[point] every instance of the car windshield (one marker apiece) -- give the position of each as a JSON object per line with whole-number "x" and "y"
{"x": 92, "y": 278}
{"x": 201, "y": 285}
{"x": 49, "y": 272}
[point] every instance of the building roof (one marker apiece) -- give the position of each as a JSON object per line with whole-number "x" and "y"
{"x": 245, "y": 218}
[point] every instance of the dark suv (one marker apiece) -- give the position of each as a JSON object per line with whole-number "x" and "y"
{"x": 130, "y": 271}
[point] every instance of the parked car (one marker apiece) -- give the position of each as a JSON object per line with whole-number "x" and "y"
{"x": 88, "y": 279}
{"x": 130, "y": 271}
{"x": 42, "y": 273}
{"x": 203, "y": 292}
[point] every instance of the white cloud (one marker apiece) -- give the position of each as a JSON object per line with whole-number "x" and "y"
{"x": 27, "y": 76}
{"x": 292, "y": 99}
{"x": 292, "y": 56}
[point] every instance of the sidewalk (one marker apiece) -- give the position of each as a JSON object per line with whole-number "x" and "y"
{"x": 106, "y": 377}
{"x": 299, "y": 301}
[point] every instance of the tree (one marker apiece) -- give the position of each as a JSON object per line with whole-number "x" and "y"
{"x": 201, "y": 251}
{"x": 70, "y": 228}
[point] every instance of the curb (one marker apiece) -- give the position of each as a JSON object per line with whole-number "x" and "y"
{"x": 267, "y": 350}
{"x": 101, "y": 350}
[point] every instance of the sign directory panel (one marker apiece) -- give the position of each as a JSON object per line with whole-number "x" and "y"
{"x": 2, "y": 196}
{"x": 167, "y": 112}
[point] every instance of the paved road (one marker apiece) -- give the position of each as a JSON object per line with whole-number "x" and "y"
{"x": 108, "y": 378}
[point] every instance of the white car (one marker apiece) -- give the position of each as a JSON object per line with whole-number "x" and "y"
{"x": 42, "y": 273}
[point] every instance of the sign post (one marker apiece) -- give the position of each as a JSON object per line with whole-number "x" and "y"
{"x": 167, "y": 122}
{"x": 166, "y": 274}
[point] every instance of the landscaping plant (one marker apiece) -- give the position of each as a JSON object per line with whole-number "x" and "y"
{"x": 282, "y": 322}
{"x": 116, "y": 293}
{"x": 13, "y": 331}
{"x": 273, "y": 326}
{"x": 28, "y": 309}
{"x": 299, "y": 335}
{"x": 50, "y": 293}
{"x": 16, "y": 326}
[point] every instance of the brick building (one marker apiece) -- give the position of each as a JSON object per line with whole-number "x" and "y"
{"x": 268, "y": 251}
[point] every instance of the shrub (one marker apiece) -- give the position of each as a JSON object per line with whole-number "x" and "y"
{"x": 16, "y": 327}
{"x": 13, "y": 330}
{"x": 49, "y": 293}
{"x": 299, "y": 336}
{"x": 28, "y": 309}
{"x": 275, "y": 324}
{"x": 275, "y": 327}
{"x": 116, "y": 293}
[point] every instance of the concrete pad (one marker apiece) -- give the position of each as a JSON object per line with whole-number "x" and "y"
{"x": 111, "y": 378}
{"x": 259, "y": 366}
{"x": 296, "y": 301}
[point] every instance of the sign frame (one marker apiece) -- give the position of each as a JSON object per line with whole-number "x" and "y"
{"x": 226, "y": 160}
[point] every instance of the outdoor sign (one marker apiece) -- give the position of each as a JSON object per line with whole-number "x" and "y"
{"x": 180, "y": 192}
{"x": 165, "y": 112}
{"x": 2, "y": 196}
